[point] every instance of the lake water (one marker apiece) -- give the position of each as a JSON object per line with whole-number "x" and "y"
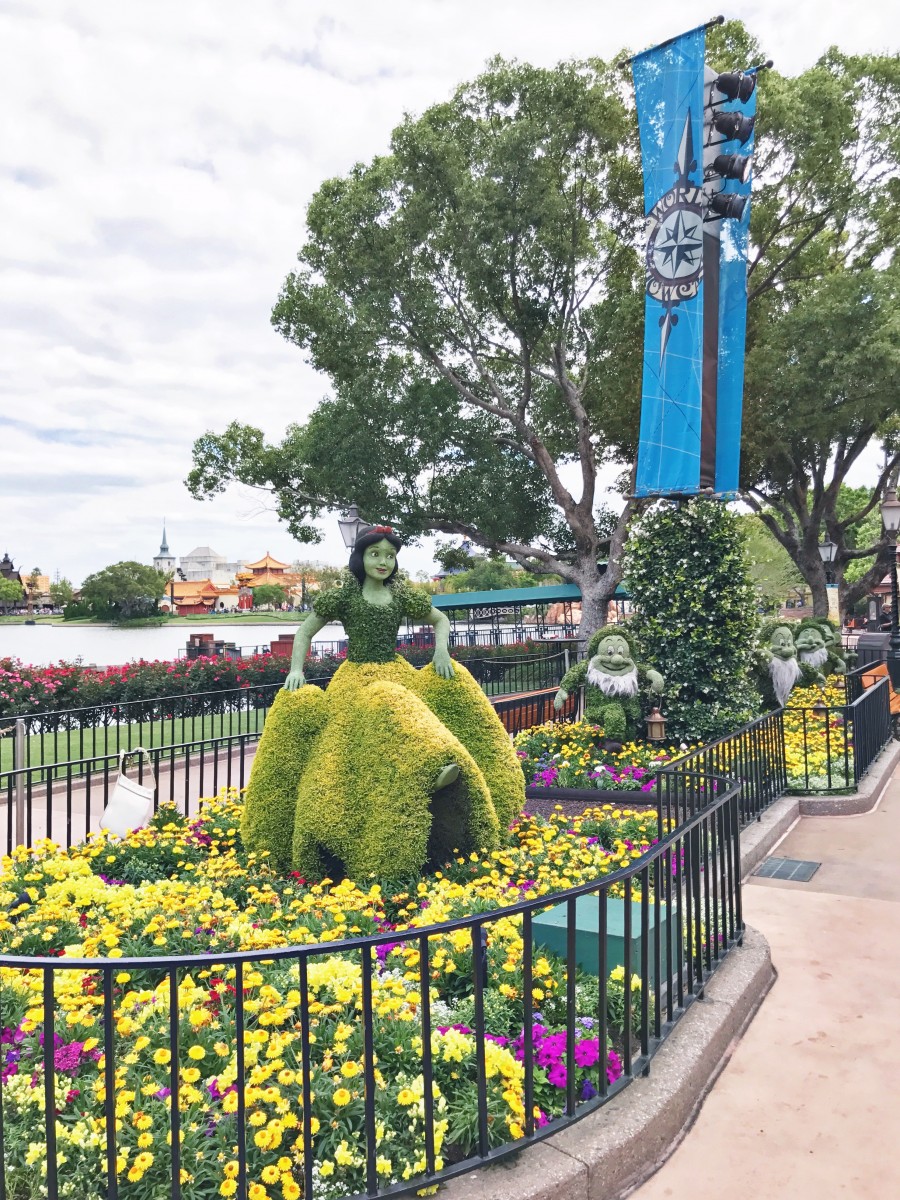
{"x": 106, "y": 646}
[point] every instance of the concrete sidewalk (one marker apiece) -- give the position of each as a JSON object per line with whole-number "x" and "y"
{"x": 807, "y": 1107}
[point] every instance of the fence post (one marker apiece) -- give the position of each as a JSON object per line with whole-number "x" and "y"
{"x": 565, "y": 660}
{"x": 19, "y": 768}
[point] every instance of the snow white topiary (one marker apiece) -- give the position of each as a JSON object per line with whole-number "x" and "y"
{"x": 390, "y": 767}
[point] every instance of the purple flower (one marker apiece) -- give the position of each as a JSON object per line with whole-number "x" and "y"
{"x": 382, "y": 951}
{"x": 587, "y": 1052}
{"x": 558, "y": 1076}
{"x": 588, "y": 1091}
{"x": 613, "y": 1066}
{"x": 162, "y": 1094}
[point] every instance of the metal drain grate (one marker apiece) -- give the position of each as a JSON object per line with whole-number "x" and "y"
{"x": 795, "y": 869}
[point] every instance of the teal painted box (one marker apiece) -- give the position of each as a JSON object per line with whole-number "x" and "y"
{"x": 549, "y": 931}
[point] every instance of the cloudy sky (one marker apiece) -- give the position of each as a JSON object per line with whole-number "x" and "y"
{"x": 156, "y": 163}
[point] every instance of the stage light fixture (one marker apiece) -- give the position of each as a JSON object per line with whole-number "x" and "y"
{"x": 734, "y": 126}
{"x": 733, "y": 166}
{"x": 736, "y": 85}
{"x": 728, "y": 204}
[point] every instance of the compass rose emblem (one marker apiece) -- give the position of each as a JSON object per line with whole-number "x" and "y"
{"x": 675, "y": 241}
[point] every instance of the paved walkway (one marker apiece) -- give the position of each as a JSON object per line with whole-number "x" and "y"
{"x": 809, "y": 1104}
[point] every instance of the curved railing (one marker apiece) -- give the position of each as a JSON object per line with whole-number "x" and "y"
{"x": 667, "y": 919}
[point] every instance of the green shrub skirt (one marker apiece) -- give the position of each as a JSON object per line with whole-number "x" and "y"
{"x": 343, "y": 780}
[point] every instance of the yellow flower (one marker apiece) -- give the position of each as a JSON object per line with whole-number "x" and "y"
{"x": 162, "y": 1056}
{"x": 196, "y": 1052}
{"x": 341, "y": 1097}
{"x": 406, "y": 1096}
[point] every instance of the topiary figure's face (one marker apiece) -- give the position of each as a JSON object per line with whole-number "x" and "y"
{"x": 379, "y": 560}
{"x": 781, "y": 643}
{"x": 613, "y": 656}
{"x": 809, "y": 640}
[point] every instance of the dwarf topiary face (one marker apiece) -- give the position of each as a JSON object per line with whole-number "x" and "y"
{"x": 781, "y": 643}
{"x": 613, "y": 656}
{"x": 809, "y": 639}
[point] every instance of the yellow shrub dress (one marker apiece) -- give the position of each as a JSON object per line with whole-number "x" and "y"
{"x": 343, "y": 780}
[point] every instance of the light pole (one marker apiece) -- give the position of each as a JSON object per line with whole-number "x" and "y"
{"x": 827, "y": 551}
{"x": 350, "y": 524}
{"x": 890, "y": 515}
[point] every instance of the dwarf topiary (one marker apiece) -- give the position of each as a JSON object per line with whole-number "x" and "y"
{"x": 779, "y": 670}
{"x": 613, "y": 683}
{"x": 815, "y": 648}
{"x": 396, "y": 767}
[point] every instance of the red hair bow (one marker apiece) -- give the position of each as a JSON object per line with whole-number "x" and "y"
{"x": 381, "y": 529}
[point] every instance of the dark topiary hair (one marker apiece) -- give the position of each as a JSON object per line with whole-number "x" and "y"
{"x": 369, "y": 537}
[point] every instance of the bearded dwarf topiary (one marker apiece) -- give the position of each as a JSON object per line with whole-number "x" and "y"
{"x": 614, "y": 685}
{"x": 779, "y": 670}
{"x": 815, "y": 648}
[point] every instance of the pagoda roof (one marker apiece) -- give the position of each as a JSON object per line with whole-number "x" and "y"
{"x": 282, "y": 579}
{"x": 267, "y": 563}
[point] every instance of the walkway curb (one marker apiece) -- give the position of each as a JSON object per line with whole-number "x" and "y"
{"x": 873, "y": 784}
{"x": 606, "y": 1154}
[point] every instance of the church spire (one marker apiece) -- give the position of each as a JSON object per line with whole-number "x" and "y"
{"x": 164, "y": 547}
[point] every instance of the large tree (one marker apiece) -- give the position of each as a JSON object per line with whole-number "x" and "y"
{"x": 447, "y": 289}
{"x": 476, "y": 299}
{"x": 821, "y": 385}
{"x": 822, "y": 369}
{"x": 124, "y": 591}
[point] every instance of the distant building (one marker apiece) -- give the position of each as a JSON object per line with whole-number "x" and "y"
{"x": 205, "y": 563}
{"x": 7, "y": 570}
{"x": 164, "y": 561}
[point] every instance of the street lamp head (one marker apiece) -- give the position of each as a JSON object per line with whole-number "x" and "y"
{"x": 349, "y": 525}
{"x": 890, "y": 511}
{"x": 827, "y": 550}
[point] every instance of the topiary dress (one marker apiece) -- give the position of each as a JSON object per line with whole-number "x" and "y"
{"x": 343, "y": 780}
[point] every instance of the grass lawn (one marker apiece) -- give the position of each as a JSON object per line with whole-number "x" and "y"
{"x": 69, "y": 745}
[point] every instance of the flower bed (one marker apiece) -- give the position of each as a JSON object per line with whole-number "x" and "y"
{"x": 561, "y": 759}
{"x": 818, "y": 752}
{"x": 181, "y": 887}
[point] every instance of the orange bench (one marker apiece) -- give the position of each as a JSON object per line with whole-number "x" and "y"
{"x": 872, "y": 675}
{"x": 525, "y": 709}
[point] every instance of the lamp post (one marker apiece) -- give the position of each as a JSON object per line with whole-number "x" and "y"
{"x": 890, "y": 515}
{"x": 349, "y": 525}
{"x": 827, "y": 551}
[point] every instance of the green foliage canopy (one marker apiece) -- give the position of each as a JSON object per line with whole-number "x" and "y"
{"x": 447, "y": 290}
{"x": 124, "y": 591}
{"x": 269, "y": 594}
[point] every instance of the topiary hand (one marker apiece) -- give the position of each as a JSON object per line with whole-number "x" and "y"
{"x": 656, "y": 681}
{"x": 295, "y": 680}
{"x": 559, "y": 699}
{"x": 443, "y": 664}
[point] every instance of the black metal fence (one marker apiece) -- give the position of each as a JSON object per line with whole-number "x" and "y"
{"x": 753, "y": 755}
{"x": 832, "y": 747}
{"x": 667, "y": 919}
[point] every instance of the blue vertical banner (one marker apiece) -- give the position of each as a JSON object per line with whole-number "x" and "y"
{"x": 734, "y": 240}
{"x": 669, "y": 92}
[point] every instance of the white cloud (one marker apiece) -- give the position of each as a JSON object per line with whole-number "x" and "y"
{"x": 158, "y": 159}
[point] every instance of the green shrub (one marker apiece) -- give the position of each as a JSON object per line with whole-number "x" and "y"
{"x": 695, "y": 614}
